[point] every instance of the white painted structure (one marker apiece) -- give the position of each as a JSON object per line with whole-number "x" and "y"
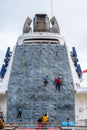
{"x": 41, "y": 37}
{"x": 4, "y": 87}
{"x": 80, "y": 92}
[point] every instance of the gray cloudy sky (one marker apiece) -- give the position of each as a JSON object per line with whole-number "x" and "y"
{"x": 71, "y": 16}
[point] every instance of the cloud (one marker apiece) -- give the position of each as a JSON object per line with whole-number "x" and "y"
{"x": 71, "y": 16}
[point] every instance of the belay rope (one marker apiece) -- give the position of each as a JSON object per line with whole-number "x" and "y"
{"x": 21, "y": 91}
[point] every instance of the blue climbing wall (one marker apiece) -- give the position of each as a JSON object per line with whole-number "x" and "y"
{"x": 31, "y": 64}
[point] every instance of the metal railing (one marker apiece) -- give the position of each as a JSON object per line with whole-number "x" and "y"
{"x": 41, "y": 126}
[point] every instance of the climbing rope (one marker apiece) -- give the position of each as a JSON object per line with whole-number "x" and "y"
{"x": 57, "y": 54}
{"x": 21, "y": 93}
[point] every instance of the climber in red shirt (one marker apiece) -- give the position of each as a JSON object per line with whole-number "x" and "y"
{"x": 58, "y": 83}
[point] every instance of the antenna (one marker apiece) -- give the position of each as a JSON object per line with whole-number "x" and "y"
{"x": 51, "y": 8}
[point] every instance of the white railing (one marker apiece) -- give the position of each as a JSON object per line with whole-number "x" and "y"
{"x": 36, "y": 126}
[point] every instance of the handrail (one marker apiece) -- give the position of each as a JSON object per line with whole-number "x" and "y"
{"x": 27, "y": 125}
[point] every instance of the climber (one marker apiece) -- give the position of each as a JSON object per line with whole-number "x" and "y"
{"x": 58, "y": 83}
{"x": 46, "y": 80}
{"x": 19, "y": 112}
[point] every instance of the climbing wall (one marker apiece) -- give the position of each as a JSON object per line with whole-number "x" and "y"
{"x": 31, "y": 64}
